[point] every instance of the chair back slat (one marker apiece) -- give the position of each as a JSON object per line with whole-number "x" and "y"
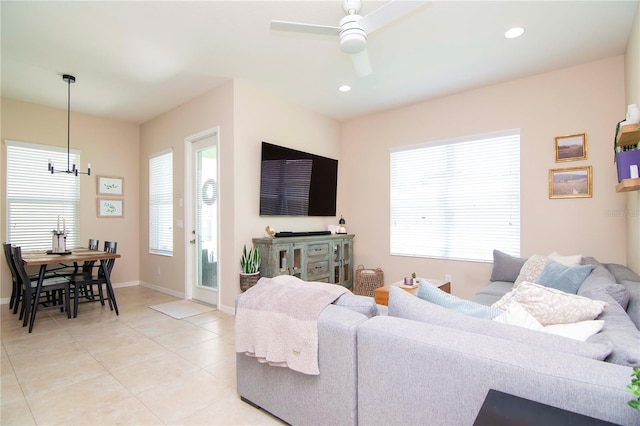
{"x": 9, "y": 257}
{"x": 93, "y": 244}
{"x": 109, "y": 247}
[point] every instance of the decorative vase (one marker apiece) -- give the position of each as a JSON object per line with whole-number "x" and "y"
{"x": 633, "y": 114}
{"x": 248, "y": 280}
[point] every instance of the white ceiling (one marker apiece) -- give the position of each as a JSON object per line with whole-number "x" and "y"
{"x": 136, "y": 60}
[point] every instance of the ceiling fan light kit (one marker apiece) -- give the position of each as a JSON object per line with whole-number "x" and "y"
{"x": 353, "y": 29}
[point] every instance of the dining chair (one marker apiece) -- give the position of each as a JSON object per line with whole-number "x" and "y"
{"x": 16, "y": 291}
{"x": 86, "y": 281}
{"x": 58, "y": 287}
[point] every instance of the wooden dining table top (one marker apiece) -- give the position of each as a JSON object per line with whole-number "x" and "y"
{"x": 78, "y": 254}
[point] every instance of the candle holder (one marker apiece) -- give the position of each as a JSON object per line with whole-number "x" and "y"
{"x": 59, "y": 241}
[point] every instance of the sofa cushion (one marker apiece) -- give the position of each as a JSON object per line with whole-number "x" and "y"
{"x": 600, "y": 277}
{"x": 618, "y": 329}
{"x": 405, "y": 305}
{"x": 621, "y": 272}
{"x": 633, "y": 309}
{"x": 532, "y": 269}
{"x": 506, "y": 267}
{"x": 572, "y": 260}
{"x": 433, "y": 294}
{"x": 362, "y": 304}
{"x": 492, "y": 293}
{"x": 517, "y": 315}
{"x": 564, "y": 278}
{"x": 551, "y": 306}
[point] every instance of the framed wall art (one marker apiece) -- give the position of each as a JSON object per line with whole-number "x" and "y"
{"x": 109, "y": 185}
{"x": 570, "y": 182}
{"x": 571, "y": 147}
{"x": 110, "y": 207}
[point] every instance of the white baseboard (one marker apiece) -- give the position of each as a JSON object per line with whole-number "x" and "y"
{"x": 126, "y": 284}
{"x": 178, "y": 294}
{"x": 230, "y": 310}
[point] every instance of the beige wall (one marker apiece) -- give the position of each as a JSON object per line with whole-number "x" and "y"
{"x": 112, "y": 149}
{"x": 632, "y": 85}
{"x": 246, "y": 116}
{"x": 169, "y": 131}
{"x": 587, "y": 98}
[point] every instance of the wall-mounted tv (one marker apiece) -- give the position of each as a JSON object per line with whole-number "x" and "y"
{"x": 296, "y": 183}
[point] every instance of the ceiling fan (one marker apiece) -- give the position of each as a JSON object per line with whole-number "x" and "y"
{"x": 353, "y": 28}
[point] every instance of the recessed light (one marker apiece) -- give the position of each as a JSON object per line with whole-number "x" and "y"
{"x": 514, "y": 32}
{"x": 344, "y": 88}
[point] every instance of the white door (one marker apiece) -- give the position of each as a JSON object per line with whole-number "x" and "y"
{"x": 202, "y": 218}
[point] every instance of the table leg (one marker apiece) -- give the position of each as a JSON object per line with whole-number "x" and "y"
{"x": 107, "y": 277}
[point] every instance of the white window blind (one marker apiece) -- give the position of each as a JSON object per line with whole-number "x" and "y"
{"x": 36, "y": 198}
{"x": 161, "y": 204}
{"x": 457, "y": 199}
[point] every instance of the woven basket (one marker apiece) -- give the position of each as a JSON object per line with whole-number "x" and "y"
{"x": 367, "y": 280}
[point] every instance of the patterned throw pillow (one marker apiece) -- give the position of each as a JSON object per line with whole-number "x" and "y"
{"x": 550, "y": 306}
{"x": 532, "y": 269}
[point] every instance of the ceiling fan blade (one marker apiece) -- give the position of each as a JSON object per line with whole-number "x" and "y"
{"x": 389, "y": 12}
{"x": 304, "y": 28}
{"x": 361, "y": 63}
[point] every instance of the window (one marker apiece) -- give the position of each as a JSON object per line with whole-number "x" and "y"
{"x": 161, "y": 204}
{"x": 457, "y": 199}
{"x": 36, "y": 199}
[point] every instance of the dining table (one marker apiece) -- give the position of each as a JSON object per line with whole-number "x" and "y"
{"x": 76, "y": 255}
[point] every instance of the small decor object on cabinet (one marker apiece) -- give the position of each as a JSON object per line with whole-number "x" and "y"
{"x": 570, "y": 182}
{"x": 341, "y": 228}
{"x": 367, "y": 280}
{"x": 250, "y": 263}
{"x": 110, "y": 208}
{"x": 110, "y": 185}
{"x": 571, "y": 147}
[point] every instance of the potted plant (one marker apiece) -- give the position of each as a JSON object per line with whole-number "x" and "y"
{"x": 250, "y": 263}
{"x": 634, "y": 388}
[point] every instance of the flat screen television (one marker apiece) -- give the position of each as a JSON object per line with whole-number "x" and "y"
{"x": 296, "y": 183}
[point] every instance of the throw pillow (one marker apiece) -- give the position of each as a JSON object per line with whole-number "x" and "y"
{"x": 573, "y": 260}
{"x": 532, "y": 269}
{"x": 562, "y": 277}
{"x": 506, "y": 267}
{"x": 551, "y": 306}
{"x": 633, "y": 310}
{"x": 620, "y": 294}
{"x": 433, "y": 294}
{"x": 618, "y": 330}
{"x": 405, "y": 305}
{"x": 600, "y": 277}
{"x": 362, "y": 304}
{"x": 518, "y": 316}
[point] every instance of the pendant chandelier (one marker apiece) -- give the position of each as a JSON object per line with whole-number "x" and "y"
{"x": 71, "y": 168}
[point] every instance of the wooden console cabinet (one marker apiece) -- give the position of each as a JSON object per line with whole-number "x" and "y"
{"x": 323, "y": 258}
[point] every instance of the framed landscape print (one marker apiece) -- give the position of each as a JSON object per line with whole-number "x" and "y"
{"x": 110, "y": 207}
{"x": 108, "y": 185}
{"x": 571, "y": 147}
{"x": 570, "y": 182}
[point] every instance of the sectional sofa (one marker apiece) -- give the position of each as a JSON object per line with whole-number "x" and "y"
{"x": 422, "y": 363}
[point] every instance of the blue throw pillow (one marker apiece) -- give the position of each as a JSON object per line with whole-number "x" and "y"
{"x": 563, "y": 278}
{"x": 433, "y": 294}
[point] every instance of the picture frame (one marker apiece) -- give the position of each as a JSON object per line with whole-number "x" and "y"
{"x": 110, "y": 185}
{"x": 110, "y": 207}
{"x": 571, "y": 182}
{"x": 571, "y": 147}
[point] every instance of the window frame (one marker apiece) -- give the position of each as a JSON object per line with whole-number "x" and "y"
{"x": 430, "y": 209}
{"x": 165, "y": 199}
{"x": 41, "y": 201}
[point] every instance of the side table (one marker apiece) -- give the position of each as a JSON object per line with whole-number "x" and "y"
{"x": 381, "y": 294}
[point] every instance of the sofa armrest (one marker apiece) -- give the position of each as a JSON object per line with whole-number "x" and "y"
{"x": 328, "y": 398}
{"x": 417, "y": 373}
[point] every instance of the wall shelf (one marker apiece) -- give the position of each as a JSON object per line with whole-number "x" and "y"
{"x": 628, "y": 135}
{"x": 628, "y": 185}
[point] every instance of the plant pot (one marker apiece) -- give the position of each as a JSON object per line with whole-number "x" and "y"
{"x": 248, "y": 280}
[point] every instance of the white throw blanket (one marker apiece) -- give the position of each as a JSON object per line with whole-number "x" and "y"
{"x": 277, "y": 321}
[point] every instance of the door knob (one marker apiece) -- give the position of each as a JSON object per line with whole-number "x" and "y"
{"x": 192, "y": 241}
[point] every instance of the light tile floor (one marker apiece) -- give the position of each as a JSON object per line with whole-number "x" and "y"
{"x": 142, "y": 367}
